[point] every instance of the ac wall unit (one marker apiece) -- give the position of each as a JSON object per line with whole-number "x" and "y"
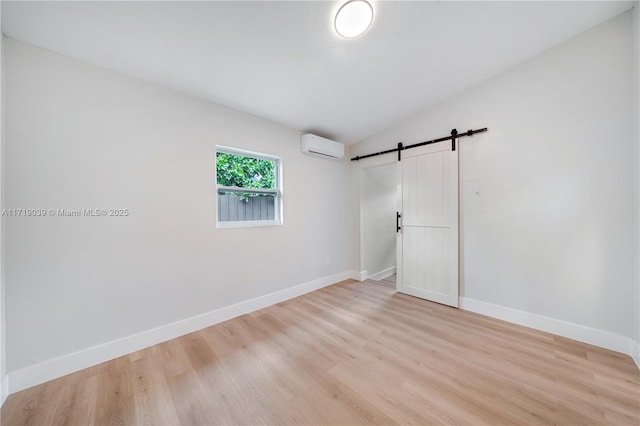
{"x": 321, "y": 147}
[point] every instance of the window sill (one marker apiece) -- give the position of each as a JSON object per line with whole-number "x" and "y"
{"x": 248, "y": 224}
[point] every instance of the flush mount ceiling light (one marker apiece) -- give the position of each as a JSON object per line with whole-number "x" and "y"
{"x": 353, "y": 18}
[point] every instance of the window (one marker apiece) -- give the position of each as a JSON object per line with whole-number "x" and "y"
{"x": 249, "y": 187}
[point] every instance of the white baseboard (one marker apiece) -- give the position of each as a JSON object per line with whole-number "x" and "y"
{"x": 593, "y": 336}
{"x": 355, "y": 275}
{"x": 359, "y": 276}
{"x": 636, "y": 353}
{"x": 383, "y": 274}
{"x": 4, "y": 389}
{"x": 66, "y": 364}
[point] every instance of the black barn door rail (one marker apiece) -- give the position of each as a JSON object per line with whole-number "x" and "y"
{"x": 454, "y": 135}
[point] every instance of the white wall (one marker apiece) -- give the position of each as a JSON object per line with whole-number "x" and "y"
{"x": 79, "y": 136}
{"x": 636, "y": 156}
{"x": 3, "y": 381}
{"x": 379, "y": 204}
{"x": 549, "y": 232}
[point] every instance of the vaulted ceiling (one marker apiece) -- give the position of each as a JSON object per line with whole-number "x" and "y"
{"x": 284, "y": 62}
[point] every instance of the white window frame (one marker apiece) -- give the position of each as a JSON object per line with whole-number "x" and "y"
{"x": 278, "y": 210}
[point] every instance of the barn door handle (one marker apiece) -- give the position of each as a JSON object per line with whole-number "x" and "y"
{"x": 398, "y": 216}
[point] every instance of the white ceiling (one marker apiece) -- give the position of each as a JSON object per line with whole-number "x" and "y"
{"x": 283, "y": 61}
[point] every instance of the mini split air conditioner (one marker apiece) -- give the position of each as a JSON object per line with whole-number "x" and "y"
{"x": 321, "y": 147}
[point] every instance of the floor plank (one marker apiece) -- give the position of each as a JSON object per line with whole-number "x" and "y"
{"x": 352, "y": 353}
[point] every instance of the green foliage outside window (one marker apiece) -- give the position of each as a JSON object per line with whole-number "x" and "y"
{"x": 244, "y": 172}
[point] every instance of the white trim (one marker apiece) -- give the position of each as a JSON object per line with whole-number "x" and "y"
{"x": 593, "y": 336}
{"x": 358, "y": 276}
{"x": 69, "y": 363}
{"x": 636, "y": 352}
{"x": 4, "y": 389}
{"x": 383, "y": 274}
{"x": 247, "y": 153}
{"x": 247, "y": 224}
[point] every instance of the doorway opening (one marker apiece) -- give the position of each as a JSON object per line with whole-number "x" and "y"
{"x": 379, "y": 201}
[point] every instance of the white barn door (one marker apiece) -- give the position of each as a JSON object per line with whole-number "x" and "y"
{"x": 427, "y": 241}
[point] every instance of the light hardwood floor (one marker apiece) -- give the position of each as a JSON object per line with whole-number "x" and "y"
{"x": 352, "y": 353}
{"x": 389, "y": 281}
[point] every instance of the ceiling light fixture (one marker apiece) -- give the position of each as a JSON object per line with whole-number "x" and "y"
{"x": 353, "y": 18}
